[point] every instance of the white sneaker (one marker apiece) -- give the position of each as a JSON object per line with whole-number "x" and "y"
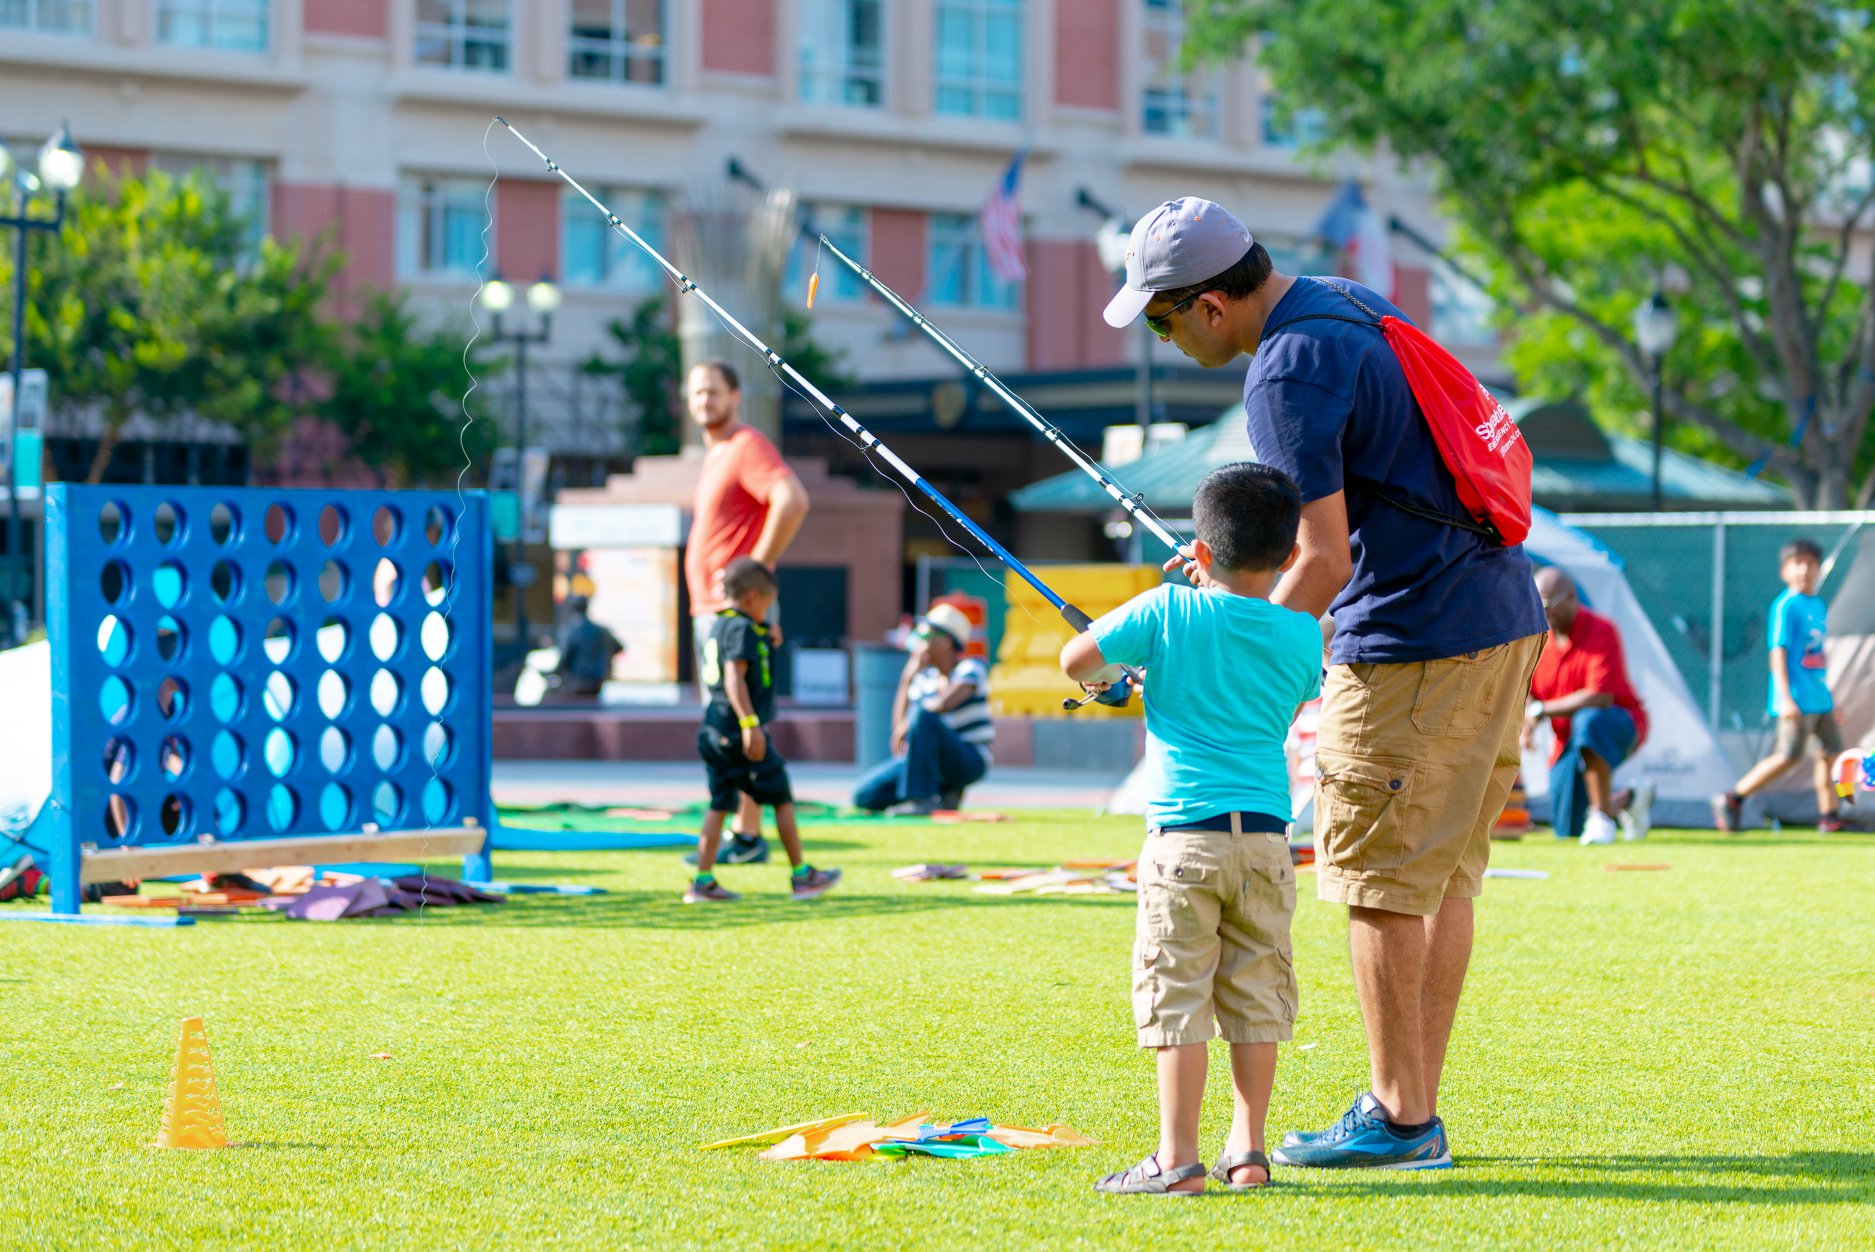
{"x": 1599, "y": 828}
{"x": 1638, "y": 818}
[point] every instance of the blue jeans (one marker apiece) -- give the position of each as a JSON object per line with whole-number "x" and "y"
{"x": 937, "y": 759}
{"x": 1609, "y": 734}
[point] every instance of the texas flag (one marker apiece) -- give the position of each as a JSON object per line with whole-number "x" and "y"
{"x": 1352, "y": 228}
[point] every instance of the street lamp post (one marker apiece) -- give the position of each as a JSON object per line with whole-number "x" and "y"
{"x": 61, "y": 165}
{"x": 1655, "y": 329}
{"x": 543, "y": 297}
{"x": 1111, "y": 241}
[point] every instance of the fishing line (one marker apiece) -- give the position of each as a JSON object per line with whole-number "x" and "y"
{"x": 1074, "y": 616}
{"x": 865, "y": 452}
{"x": 813, "y": 289}
{"x": 447, "y": 582}
{"x": 1131, "y": 501}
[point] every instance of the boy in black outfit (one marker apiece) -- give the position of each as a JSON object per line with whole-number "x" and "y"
{"x": 734, "y": 747}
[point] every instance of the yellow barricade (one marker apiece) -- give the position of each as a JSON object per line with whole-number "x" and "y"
{"x": 1026, "y": 679}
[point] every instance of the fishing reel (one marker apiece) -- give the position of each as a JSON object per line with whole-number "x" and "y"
{"x": 1117, "y": 696}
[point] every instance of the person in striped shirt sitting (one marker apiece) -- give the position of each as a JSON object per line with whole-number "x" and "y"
{"x": 941, "y": 727}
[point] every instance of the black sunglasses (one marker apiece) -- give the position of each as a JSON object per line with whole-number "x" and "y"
{"x": 1161, "y": 325}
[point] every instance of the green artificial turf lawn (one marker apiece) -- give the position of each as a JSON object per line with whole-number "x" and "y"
{"x": 1679, "y": 1058}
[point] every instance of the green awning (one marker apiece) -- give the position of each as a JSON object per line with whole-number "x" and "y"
{"x": 1605, "y": 472}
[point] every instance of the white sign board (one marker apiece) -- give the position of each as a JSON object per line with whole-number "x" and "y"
{"x": 820, "y": 676}
{"x": 578, "y": 526}
{"x": 634, "y": 595}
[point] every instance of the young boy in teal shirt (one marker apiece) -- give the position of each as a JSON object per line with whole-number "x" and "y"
{"x": 1225, "y": 672}
{"x": 1800, "y": 698}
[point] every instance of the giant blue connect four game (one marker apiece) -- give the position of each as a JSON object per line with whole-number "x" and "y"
{"x": 245, "y": 676}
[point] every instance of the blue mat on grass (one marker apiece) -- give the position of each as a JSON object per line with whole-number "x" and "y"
{"x": 515, "y": 839}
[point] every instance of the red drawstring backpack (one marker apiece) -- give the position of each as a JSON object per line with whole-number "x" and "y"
{"x": 1477, "y": 440}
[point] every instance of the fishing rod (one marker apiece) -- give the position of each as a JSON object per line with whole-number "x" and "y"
{"x": 1130, "y": 501}
{"x": 869, "y": 442}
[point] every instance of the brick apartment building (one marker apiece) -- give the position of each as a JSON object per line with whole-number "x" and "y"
{"x": 370, "y": 120}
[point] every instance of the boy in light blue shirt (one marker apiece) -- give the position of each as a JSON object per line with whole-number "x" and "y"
{"x": 1800, "y": 697}
{"x": 1226, "y": 671}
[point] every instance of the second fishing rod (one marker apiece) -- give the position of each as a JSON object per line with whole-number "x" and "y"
{"x": 1127, "y": 500}
{"x": 1075, "y": 617}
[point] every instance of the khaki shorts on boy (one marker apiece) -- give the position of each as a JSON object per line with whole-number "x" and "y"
{"x": 1794, "y": 732}
{"x": 1413, "y": 765}
{"x": 1212, "y": 953}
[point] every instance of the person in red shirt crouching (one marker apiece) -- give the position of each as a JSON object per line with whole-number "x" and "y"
{"x": 1581, "y": 684}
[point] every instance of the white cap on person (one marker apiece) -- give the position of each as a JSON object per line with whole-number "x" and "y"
{"x": 951, "y": 620}
{"x": 1178, "y": 244}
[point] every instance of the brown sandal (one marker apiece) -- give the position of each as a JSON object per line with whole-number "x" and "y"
{"x": 1150, "y": 1178}
{"x": 1237, "y": 1160}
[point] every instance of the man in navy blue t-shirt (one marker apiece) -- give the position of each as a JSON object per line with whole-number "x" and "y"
{"x": 1437, "y": 630}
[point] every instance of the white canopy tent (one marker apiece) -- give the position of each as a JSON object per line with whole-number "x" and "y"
{"x": 25, "y": 738}
{"x": 1681, "y": 754}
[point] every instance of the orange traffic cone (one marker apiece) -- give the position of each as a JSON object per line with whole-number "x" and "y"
{"x": 192, "y": 1110}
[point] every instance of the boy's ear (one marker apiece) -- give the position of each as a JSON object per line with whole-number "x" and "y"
{"x": 1295, "y": 551}
{"x": 1201, "y": 552}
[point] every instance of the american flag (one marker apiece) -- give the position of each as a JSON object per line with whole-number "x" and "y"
{"x": 1351, "y": 227}
{"x": 1000, "y": 220}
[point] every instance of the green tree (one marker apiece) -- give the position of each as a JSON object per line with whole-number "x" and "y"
{"x": 400, "y": 394}
{"x": 148, "y": 302}
{"x": 649, "y": 367}
{"x": 1590, "y": 150}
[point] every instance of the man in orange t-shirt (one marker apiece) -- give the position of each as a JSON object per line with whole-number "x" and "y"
{"x": 748, "y": 503}
{"x": 1581, "y": 684}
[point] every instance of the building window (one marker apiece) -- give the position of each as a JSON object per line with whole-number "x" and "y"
{"x": 1461, "y": 311}
{"x": 1303, "y": 127}
{"x": 592, "y": 254}
{"x": 54, "y": 17}
{"x": 440, "y": 225}
{"x": 463, "y": 34}
{"x": 959, "y": 267}
{"x": 236, "y": 25}
{"x": 979, "y": 58}
{"x": 845, "y": 224}
{"x": 248, "y": 184}
{"x": 842, "y": 51}
{"x": 618, "y": 41}
{"x": 1175, "y": 103}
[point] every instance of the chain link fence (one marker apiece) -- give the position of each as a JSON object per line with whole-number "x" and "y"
{"x": 1706, "y": 581}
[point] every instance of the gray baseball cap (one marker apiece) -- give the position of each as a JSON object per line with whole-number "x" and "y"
{"x": 1183, "y": 241}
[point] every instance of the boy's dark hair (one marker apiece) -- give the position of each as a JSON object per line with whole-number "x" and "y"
{"x": 1800, "y": 547}
{"x": 746, "y": 574}
{"x": 1240, "y": 280}
{"x": 1247, "y": 514}
{"x": 731, "y": 379}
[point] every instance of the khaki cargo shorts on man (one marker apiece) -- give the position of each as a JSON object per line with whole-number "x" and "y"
{"x": 1212, "y": 953}
{"x": 1413, "y": 764}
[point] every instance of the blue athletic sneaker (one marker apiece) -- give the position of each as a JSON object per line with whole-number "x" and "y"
{"x": 1363, "y": 1140}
